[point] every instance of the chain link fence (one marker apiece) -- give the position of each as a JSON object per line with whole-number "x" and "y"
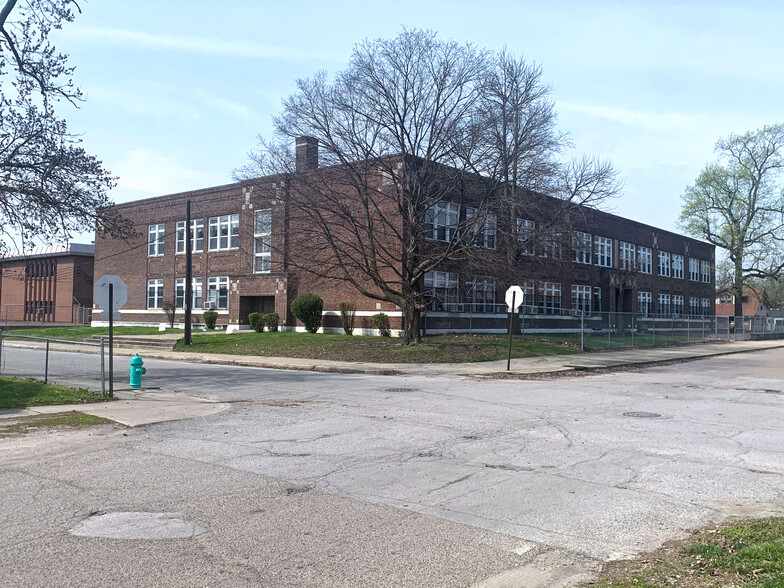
{"x": 599, "y": 330}
{"x": 43, "y": 313}
{"x": 79, "y": 364}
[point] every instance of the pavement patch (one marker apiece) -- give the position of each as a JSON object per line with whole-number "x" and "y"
{"x": 137, "y": 525}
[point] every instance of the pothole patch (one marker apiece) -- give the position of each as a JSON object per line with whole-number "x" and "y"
{"x": 643, "y": 415}
{"x": 400, "y": 390}
{"x": 137, "y": 525}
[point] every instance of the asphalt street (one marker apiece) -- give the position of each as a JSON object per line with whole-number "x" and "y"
{"x": 357, "y": 480}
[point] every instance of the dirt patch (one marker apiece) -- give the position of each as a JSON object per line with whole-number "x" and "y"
{"x": 16, "y": 426}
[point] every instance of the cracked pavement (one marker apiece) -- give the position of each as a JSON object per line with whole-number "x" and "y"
{"x": 356, "y": 480}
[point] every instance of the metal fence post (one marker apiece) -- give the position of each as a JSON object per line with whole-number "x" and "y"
{"x": 1, "y": 352}
{"x": 46, "y": 364}
{"x": 103, "y": 372}
{"x": 582, "y": 329}
{"x": 633, "y": 328}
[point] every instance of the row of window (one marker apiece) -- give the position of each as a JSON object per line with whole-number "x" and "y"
{"x": 39, "y": 308}
{"x": 443, "y": 293}
{"x": 217, "y": 293}
{"x": 223, "y": 234}
{"x": 40, "y": 269}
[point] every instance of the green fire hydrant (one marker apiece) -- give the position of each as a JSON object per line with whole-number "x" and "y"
{"x": 136, "y": 371}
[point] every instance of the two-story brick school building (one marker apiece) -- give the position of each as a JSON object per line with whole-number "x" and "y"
{"x": 248, "y": 257}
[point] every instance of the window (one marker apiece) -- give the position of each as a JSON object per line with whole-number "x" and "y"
{"x": 581, "y": 243}
{"x": 196, "y": 293}
{"x": 550, "y": 295}
{"x": 550, "y": 245}
{"x": 664, "y": 264}
{"x": 154, "y": 293}
{"x": 627, "y": 259}
{"x": 525, "y": 235}
{"x": 441, "y": 221}
{"x": 705, "y": 306}
{"x": 664, "y": 305}
{"x": 694, "y": 269}
{"x": 677, "y": 266}
{"x": 581, "y": 298}
{"x": 262, "y": 240}
{"x": 726, "y": 298}
{"x": 645, "y": 259}
{"x": 481, "y": 294}
{"x": 677, "y": 304}
{"x": 694, "y": 305}
{"x": 197, "y": 236}
{"x": 597, "y": 299}
{"x": 224, "y": 232}
{"x": 529, "y": 301}
{"x": 602, "y": 251}
{"x": 482, "y": 230}
{"x": 441, "y": 290}
{"x": 644, "y": 298}
{"x": 155, "y": 240}
{"x": 705, "y": 268}
{"x": 218, "y": 291}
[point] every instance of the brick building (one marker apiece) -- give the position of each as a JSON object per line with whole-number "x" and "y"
{"x": 46, "y": 284}
{"x": 751, "y": 301}
{"x": 250, "y": 247}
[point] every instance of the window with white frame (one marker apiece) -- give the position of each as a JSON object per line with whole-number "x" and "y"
{"x": 581, "y": 244}
{"x": 197, "y": 236}
{"x": 154, "y": 293}
{"x": 597, "y": 299}
{"x": 602, "y": 251}
{"x": 481, "y": 294}
{"x": 677, "y": 304}
{"x": 262, "y": 240}
{"x": 529, "y": 299}
{"x": 705, "y": 306}
{"x": 441, "y": 221}
{"x": 705, "y": 268}
{"x": 224, "y": 232}
{"x": 664, "y": 305}
{"x": 644, "y": 260}
{"x": 581, "y": 298}
{"x": 725, "y": 298}
{"x": 196, "y": 293}
{"x": 645, "y": 301}
{"x": 525, "y": 235}
{"x": 550, "y": 297}
{"x": 677, "y": 266}
{"x": 441, "y": 290}
{"x": 694, "y": 269}
{"x": 155, "y": 234}
{"x": 550, "y": 245}
{"x": 694, "y": 305}
{"x": 482, "y": 228}
{"x": 627, "y": 256}
{"x": 664, "y": 264}
{"x": 218, "y": 292}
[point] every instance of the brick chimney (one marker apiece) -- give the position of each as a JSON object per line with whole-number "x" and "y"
{"x": 307, "y": 154}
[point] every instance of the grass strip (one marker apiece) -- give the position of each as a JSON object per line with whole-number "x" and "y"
{"x": 19, "y": 393}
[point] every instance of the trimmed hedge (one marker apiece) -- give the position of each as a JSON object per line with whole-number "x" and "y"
{"x": 271, "y": 320}
{"x": 381, "y": 322}
{"x": 256, "y": 322}
{"x": 210, "y": 318}
{"x": 308, "y": 307}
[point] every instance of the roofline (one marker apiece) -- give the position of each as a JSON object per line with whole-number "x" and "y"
{"x": 67, "y": 250}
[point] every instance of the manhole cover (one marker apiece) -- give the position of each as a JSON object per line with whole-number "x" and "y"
{"x": 642, "y": 415}
{"x": 399, "y": 389}
{"x": 137, "y": 525}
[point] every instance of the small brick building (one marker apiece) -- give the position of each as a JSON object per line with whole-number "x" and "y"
{"x": 252, "y": 252}
{"x": 47, "y": 284}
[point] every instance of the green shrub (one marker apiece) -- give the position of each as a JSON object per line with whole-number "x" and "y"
{"x": 256, "y": 322}
{"x": 271, "y": 321}
{"x": 307, "y": 308}
{"x": 348, "y": 312}
{"x": 381, "y": 322}
{"x": 210, "y": 318}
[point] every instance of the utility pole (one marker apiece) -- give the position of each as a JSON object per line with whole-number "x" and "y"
{"x": 188, "y": 273}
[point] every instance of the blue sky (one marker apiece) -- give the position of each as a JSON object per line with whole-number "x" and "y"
{"x": 177, "y": 91}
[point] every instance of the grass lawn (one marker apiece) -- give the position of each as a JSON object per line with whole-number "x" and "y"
{"x": 16, "y": 393}
{"x": 81, "y": 333}
{"x": 71, "y": 420}
{"x": 604, "y": 341}
{"x": 748, "y": 555}
{"x": 440, "y": 349}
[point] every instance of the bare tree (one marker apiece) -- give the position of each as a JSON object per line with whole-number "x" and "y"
{"x": 737, "y": 203}
{"x": 49, "y": 185}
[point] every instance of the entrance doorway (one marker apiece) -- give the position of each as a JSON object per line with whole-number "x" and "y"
{"x": 260, "y": 304}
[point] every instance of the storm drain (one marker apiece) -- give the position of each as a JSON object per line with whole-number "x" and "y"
{"x": 399, "y": 390}
{"x": 643, "y": 415}
{"x": 137, "y": 525}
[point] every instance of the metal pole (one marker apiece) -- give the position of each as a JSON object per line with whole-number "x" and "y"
{"x": 103, "y": 373}
{"x": 511, "y": 314}
{"x": 582, "y": 329}
{"x": 46, "y": 364}
{"x": 111, "y": 340}
{"x": 188, "y": 274}
{"x": 1, "y": 352}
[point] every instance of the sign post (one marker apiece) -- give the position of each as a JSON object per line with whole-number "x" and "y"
{"x": 514, "y": 298}
{"x": 110, "y": 293}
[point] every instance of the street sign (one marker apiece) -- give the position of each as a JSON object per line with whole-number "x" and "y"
{"x": 101, "y": 295}
{"x": 514, "y": 298}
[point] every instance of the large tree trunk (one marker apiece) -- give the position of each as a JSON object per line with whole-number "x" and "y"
{"x": 737, "y": 287}
{"x": 412, "y": 315}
